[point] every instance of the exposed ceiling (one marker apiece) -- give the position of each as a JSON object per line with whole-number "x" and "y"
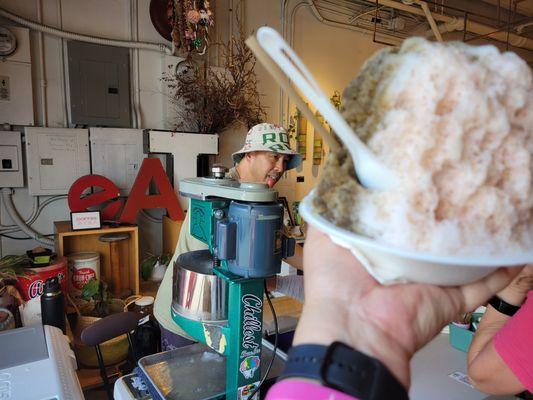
{"x": 522, "y": 7}
{"x": 506, "y": 21}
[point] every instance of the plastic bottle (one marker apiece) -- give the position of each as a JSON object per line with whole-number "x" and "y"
{"x": 53, "y": 304}
{"x": 147, "y": 336}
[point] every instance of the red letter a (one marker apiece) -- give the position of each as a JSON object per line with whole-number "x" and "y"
{"x": 151, "y": 168}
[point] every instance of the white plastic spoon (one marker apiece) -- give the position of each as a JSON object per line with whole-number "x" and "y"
{"x": 370, "y": 172}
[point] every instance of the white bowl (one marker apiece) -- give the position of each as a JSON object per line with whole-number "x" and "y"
{"x": 390, "y": 265}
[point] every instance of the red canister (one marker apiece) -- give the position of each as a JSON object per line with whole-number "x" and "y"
{"x": 31, "y": 285}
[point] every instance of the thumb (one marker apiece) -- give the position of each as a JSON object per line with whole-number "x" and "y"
{"x": 477, "y": 293}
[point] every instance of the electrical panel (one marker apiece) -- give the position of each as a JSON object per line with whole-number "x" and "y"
{"x": 56, "y": 157}
{"x": 99, "y": 84}
{"x": 16, "y": 97}
{"x": 11, "y": 171}
{"x": 117, "y": 154}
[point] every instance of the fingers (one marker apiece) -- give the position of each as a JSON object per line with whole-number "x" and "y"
{"x": 332, "y": 270}
{"x": 524, "y": 280}
{"x": 479, "y": 292}
{"x": 321, "y": 253}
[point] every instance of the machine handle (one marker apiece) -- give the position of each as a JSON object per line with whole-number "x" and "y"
{"x": 288, "y": 245}
{"x": 226, "y": 240}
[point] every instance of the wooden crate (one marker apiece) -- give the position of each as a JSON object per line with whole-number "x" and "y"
{"x": 69, "y": 241}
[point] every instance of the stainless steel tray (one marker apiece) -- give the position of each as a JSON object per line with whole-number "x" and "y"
{"x": 196, "y": 372}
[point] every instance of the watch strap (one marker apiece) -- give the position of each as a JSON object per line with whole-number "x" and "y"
{"x": 503, "y": 307}
{"x": 345, "y": 369}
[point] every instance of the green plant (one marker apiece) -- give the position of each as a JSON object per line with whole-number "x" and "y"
{"x": 96, "y": 290}
{"x": 11, "y": 267}
{"x": 148, "y": 264}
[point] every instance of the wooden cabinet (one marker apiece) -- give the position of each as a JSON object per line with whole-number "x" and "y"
{"x": 69, "y": 241}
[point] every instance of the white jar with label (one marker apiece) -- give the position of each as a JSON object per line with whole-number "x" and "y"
{"x": 82, "y": 267}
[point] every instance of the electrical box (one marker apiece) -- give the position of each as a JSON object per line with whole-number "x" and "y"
{"x": 11, "y": 172}
{"x": 16, "y": 97}
{"x": 99, "y": 84}
{"x": 117, "y": 154}
{"x": 56, "y": 157}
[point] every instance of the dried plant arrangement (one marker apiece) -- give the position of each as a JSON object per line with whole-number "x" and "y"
{"x": 208, "y": 100}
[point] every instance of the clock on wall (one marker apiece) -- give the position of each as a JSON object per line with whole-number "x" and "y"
{"x": 8, "y": 42}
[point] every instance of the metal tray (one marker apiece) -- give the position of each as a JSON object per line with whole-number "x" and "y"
{"x": 196, "y": 372}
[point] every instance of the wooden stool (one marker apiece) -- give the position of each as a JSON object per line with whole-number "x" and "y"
{"x": 114, "y": 258}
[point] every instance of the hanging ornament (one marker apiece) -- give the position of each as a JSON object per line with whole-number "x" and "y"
{"x": 204, "y": 18}
{"x": 190, "y": 22}
{"x": 193, "y": 16}
{"x": 197, "y": 43}
{"x": 191, "y": 35}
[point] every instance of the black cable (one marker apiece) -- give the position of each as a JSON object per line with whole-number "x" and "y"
{"x": 251, "y": 396}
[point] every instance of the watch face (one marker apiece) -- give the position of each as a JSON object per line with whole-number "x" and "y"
{"x": 8, "y": 42}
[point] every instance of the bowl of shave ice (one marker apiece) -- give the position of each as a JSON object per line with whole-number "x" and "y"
{"x": 455, "y": 124}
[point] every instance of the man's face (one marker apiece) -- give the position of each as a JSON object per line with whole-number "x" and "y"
{"x": 265, "y": 167}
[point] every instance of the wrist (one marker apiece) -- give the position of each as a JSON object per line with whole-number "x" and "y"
{"x": 513, "y": 295}
{"x": 361, "y": 334}
{"x": 341, "y": 367}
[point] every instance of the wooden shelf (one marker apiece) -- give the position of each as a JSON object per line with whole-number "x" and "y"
{"x": 69, "y": 241}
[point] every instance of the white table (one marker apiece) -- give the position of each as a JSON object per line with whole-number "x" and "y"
{"x": 430, "y": 370}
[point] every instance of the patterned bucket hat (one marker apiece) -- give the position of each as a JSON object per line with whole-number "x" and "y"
{"x": 268, "y": 137}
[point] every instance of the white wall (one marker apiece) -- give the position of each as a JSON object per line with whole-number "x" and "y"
{"x": 103, "y": 18}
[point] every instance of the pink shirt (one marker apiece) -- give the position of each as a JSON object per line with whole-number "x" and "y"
{"x": 296, "y": 389}
{"x": 514, "y": 343}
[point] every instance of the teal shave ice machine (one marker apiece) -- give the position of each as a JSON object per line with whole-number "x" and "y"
{"x": 218, "y": 293}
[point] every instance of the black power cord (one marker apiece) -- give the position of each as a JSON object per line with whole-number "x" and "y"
{"x": 251, "y": 396}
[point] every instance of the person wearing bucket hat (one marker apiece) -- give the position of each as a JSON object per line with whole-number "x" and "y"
{"x": 264, "y": 157}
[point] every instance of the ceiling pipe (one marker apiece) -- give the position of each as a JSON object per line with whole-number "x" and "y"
{"x": 431, "y": 20}
{"x": 161, "y": 47}
{"x": 471, "y": 26}
{"x": 326, "y": 21}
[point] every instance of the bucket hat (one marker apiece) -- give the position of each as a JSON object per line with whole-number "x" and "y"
{"x": 268, "y": 137}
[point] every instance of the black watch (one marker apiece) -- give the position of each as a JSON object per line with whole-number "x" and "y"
{"x": 503, "y": 307}
{"x": 342, "y": 368}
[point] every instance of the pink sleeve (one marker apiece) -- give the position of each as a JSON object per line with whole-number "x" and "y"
{"x": 296, "y": 389}
{"x": 514, "y": 343}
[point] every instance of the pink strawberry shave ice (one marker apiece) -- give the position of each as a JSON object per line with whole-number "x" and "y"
{"x": 455, "y": 123}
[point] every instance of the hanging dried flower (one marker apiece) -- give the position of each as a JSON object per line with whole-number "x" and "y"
{"x": 214, "y": 100}
{"x": 193, "y": 16}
